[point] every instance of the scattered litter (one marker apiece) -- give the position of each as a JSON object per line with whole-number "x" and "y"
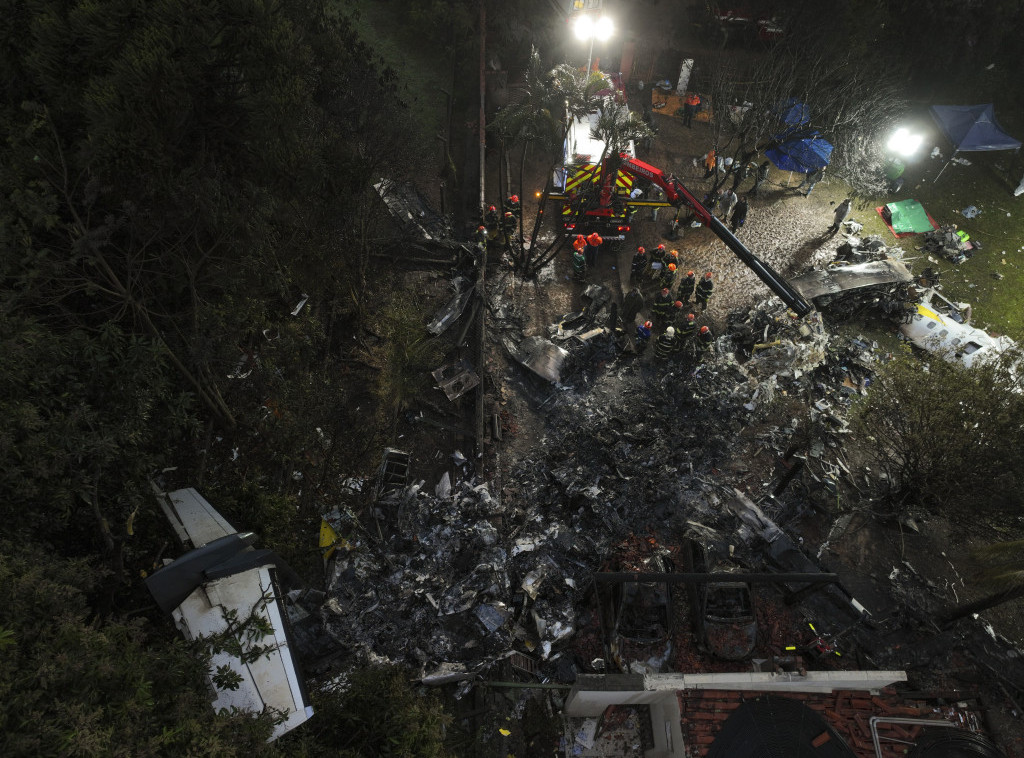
{"x": 970, "y": 211}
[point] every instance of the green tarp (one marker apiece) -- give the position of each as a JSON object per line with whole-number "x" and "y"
{"x": 908, "y": 217}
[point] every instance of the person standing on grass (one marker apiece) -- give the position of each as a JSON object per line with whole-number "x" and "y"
{"x": 760, "y": 177}
{"x": 810, "y": 179}
{"x": 690, "y": 106}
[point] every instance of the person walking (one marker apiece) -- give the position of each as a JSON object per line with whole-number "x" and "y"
{"x": 593, "y": 243}
{"x": 632, "y": 304}
{"x": 810, "y": 179}
{"x": 665, "y": 345}
{"x": 728, "y": 201}
{"x": 739, "y": 214}
{"x": 760, "y": 177}
{"x": 690, "y": 106}
{"x": 686, "y": 287}
{"x": 842, "y": 211}
{"x": 703, "y": 293}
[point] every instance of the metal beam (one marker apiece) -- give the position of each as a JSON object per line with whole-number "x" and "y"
{"x": 619, "y": 577}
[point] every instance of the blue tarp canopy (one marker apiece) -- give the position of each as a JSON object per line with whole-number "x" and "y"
{"x": 972, "y": 127}
{"x": 804, "y": 154}
{"x": 794, "y": 113}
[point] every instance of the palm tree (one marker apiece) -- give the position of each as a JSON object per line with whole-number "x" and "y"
{"x": 1000, "y": 568}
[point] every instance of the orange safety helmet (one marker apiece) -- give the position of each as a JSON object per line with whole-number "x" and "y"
{"x": 481, "y": 228}
{"x": 674, "y": 253}
{"x": 491, "y": 208}
{"x": 648, "y": 324}
{"x": 641, "y": 250}
{"x": 677, "y": 304}
{"x": 508, "y": 214}
{"x": 514, "y": 198}
{"x": 664, "y": 290}
{"x": 690, "y": 317}
{"x": 704, "y": 330}
{"x": 661, "y": 247}
{"x": 689, "y": 273}
{"x": 707, "y": 275}
{"x": 671, "y": 267}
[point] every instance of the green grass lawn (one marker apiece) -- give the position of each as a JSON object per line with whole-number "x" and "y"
{"x": 987, "y": 184}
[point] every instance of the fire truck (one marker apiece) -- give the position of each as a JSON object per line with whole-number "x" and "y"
{"x": 601, "y": 205}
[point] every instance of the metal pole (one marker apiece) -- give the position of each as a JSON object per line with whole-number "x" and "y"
{"x": 590, "y": 55}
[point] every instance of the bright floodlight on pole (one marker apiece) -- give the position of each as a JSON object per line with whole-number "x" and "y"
{"x": 587, "y": 27}
{"x": 584, "y": 27}
{"x": 902, "y": 142}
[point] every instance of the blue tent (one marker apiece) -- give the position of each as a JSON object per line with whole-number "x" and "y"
{"x": 972, "y": 127}
{"x": 803, "y": 155}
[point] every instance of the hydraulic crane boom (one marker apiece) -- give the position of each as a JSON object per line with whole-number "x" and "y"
{"x": 678, "y": 195}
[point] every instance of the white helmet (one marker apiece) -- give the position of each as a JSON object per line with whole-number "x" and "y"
{"x": 671, "y": 331}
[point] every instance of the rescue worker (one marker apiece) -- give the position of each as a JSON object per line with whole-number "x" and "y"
{"x": 658, "y": 255}
{"x": 662, "y": 304}
{"x": 703, "y": 292}
{"x": 672, "y": 257}
{"x": 579, "y": 266}
{"x": 632, "y": 304}
{"x": 513, "y": 206}
{"x": 481, "y": 237}
{"x": 508, "y": 224}
{"x": 643, "y": 335}
{"x": 690, "y": 106}
{"x": 491, "y": 218}
{"x": 668, "y": 276}
{"x": 593, "y": 243}
{"x": 640, "y": 263}
{"x": 728, "y": 201}
{"x": 665, "y": 345}
{"x": 675, "y": 317}
{"x": 686, "y": 287}
{"x": 706, "y": 340}
{"x": 579, "y": 244}
{"x": 687, "y": 329}
{"x": 674, "y": 228}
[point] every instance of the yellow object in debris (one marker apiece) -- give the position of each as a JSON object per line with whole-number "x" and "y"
{"x": 505, "y": 732}
{"x": 330, "y": 540}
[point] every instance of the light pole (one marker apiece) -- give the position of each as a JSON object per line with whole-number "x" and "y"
{"x": 589, "y": 27}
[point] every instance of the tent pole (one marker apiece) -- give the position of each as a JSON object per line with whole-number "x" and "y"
{"x": 945, "y": 167}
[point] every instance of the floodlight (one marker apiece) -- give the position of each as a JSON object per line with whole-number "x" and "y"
{"x": 584, "y": 27}
{"x": 904, "y": 143}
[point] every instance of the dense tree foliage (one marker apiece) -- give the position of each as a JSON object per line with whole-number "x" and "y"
{"x": 177, "y": 176}
{"x": 948, "y": 437}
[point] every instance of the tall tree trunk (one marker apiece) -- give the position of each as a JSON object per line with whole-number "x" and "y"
{"x": 977, "y": 606}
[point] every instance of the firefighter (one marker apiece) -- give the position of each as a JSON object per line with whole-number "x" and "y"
{"x": 665, "y": 345}
{"x": 703, "y": 291}
{"x": 593, "y": 243}
{"x": 668, "y": 276}
{"x": 658, "y": 255}
{"x": 481, "y": 237}
{"x": 706, "y": 340}
{"x": 662, "y": 304}
{"x": 686, "y": 287}
{"x": 672, "y": 257}
{"x": 508, "y": 224}
{"x": 675, "y": 229}
{"x": 513, "y": 206}
{"x": 687, "y": 329}
{"x": 675, "y": 316}
{"x": 491, "y": 218}
{"x": 579, "y": 266}
{"x": 760, "y": 177}
{"x": 643, "y": 335}
{"x": 640, "y": 263}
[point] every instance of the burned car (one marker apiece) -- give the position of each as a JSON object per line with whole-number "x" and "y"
{"x": 638, "y": 617}
{"x": 724, "y": 611}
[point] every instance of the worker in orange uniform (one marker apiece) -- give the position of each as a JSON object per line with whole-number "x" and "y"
{"x": 593, "y": 243}
{"x": 710, "y": 161}
{"x": 690, "y": 106}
